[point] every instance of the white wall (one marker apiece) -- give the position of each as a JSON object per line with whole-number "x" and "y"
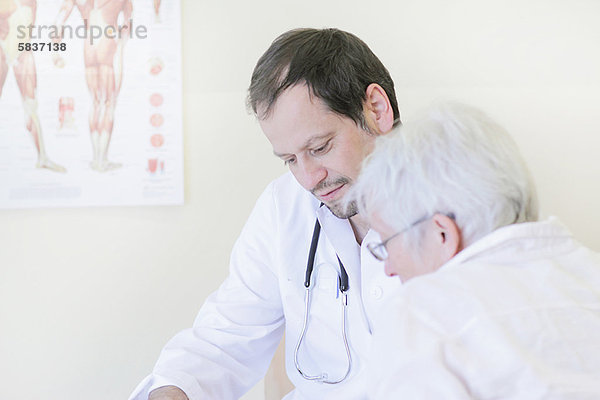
{"x": 89, "y": 296}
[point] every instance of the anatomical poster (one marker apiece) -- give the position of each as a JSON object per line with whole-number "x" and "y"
{"x": 90, "y": 103}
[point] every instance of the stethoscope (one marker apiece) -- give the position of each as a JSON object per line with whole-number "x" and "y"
{"x": 343, "y": 286}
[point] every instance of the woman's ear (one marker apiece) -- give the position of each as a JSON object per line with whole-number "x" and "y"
{"x": 377, "y": 109}
{"x": 449, "y": 238}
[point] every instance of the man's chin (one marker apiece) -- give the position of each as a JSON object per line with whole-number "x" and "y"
{"x": 343, "y": 210}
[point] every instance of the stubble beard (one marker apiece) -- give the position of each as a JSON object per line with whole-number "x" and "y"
{"x": 339, "y": 208}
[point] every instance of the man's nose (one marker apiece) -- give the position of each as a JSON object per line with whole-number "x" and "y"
{"x": 311, "y": 173}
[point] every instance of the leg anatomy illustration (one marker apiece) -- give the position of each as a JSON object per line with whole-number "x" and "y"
{"x": 15, "y": 13}
{"x": 103, "y": 58}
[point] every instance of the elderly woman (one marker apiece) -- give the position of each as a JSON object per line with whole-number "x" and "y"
{"x": 495, "y": 305}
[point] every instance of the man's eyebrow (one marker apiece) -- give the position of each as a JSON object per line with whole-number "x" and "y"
{"x": 310, "y": 142}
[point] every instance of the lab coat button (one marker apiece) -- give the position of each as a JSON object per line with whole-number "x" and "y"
{"x": 377, "y": 292}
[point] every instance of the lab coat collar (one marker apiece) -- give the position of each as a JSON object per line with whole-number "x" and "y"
{"x": 341, "y": 236}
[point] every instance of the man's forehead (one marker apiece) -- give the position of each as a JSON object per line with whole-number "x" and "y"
{"x": 296, "y": 113}
{"x": 297, "y": 98}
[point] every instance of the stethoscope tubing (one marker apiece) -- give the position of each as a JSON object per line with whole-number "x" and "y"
{"x": 343, "y": 285}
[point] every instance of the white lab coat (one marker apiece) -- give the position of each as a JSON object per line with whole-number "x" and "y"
{"x": 514, "y": 316}
{"x": 239, "y": 327}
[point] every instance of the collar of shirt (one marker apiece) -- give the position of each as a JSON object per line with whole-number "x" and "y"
{"x": 341, "y": 236}
{"x": 532, "y": 235}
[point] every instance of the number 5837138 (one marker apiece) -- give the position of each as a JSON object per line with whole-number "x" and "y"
{"x": 42, "y": 46}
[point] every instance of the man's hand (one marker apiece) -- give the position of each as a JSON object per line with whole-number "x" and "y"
{"x": 167, "y": 393}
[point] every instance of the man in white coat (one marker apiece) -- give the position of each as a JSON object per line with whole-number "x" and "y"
{"x": 321, "y": 97}
{"x": 495, "y": 305}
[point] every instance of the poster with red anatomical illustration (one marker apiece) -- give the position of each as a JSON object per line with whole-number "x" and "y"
{"x": 90, "y": 103}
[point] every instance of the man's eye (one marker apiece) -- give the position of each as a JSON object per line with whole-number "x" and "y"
{"x": 289, "y": 161}
{"x": 322, "y": 149}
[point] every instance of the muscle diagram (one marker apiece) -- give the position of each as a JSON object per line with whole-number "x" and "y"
{"x": 15, "y": 13}
{"x": 103, "y": 58}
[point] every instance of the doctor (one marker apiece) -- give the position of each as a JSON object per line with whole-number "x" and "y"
{"x": 322, "y": 98}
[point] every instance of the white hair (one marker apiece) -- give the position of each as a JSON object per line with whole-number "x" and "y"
{"x": 451, "y": 159}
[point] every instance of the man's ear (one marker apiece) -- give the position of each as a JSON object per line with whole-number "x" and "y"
{"x": 377, "y": 109}
{"x": 448, "y": 236}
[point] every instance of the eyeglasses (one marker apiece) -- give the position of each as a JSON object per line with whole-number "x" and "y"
{"x": 379, "y": 250}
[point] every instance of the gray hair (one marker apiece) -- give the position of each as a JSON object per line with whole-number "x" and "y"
{"x": 452, "y": 159}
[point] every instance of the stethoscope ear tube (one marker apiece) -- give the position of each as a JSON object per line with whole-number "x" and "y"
{"x": 343, "y": 277}
{"x": 312, "y": 253}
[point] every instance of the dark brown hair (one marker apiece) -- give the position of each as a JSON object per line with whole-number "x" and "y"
{"x": 336, "y": 66}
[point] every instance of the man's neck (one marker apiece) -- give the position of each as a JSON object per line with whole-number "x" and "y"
{"x": 359, "y": 226}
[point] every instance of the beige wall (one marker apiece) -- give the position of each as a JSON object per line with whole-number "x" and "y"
{"x": 89, "y": 296}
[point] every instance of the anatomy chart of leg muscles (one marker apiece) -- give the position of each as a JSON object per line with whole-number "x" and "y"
{"x": 101, "y": 79}
{"x": 15, "y": 13}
